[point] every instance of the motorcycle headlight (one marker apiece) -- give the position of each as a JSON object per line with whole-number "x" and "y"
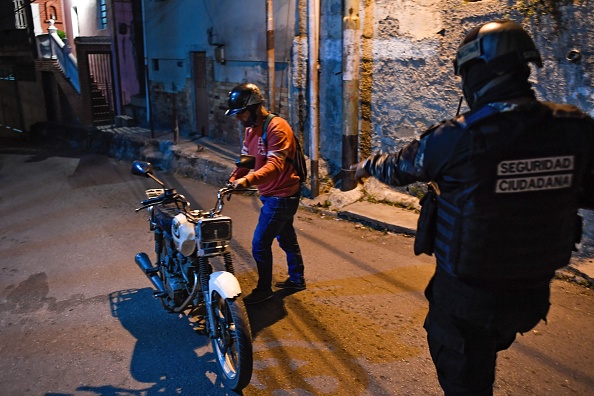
{"x": 213, "y": 235}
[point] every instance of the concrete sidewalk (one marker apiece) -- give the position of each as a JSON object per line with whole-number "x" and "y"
{"x": 203, "y": 159}
{"x": 382, "y": 216}
{"x": 394, "y": 219}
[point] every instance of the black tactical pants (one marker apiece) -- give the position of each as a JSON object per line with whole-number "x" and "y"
{"x": 469, "y": 368}
{"x": 468, "y": 324}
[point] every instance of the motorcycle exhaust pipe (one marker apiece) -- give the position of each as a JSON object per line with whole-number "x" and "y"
{"x": 143, "y": 261}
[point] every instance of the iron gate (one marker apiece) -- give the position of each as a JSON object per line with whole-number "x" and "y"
{"x": 101, "y": 87}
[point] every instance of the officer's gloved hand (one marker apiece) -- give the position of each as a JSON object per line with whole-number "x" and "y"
{"x": 360, "y": 172}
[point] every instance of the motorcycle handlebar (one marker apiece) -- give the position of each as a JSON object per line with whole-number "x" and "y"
{"x": 222, "y": 193}
{"x": 229, "y": 189}
{"x": 166, "y": 197}
{"x": 226, "y": 192}
{"x": 151, "y": 201}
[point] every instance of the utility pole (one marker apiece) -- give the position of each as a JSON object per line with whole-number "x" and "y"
{"x": 313, "y": 7}
{"x": 351, "y": 35}
{"x": 270, "y": 54}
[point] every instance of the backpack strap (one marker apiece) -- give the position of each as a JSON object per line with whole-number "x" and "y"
{"x": 269, "y": 117}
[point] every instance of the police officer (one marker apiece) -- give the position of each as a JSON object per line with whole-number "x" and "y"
{"x": 511, "y": 174}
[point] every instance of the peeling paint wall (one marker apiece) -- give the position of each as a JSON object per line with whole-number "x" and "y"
{"x": 174, "y": 30}
{"x": 408, "y": 46}
{"x": 408, "y": 70}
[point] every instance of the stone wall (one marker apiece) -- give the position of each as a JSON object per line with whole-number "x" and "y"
{"x": 408, "y": 48}
{"x": 173, "y": 109}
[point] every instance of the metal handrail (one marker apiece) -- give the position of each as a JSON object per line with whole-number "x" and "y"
{"x": 51, "y": 46}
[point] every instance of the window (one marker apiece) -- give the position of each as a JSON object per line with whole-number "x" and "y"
{"x": 20, "y": 18}
{"x": 102, "y": 14}
{"x": 52, "y": 13}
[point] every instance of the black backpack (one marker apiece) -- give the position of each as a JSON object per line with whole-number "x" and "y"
{"x": 299, "y": 162}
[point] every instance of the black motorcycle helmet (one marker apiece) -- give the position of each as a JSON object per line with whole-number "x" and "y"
{"x": 494, "y": 57}
{"x": 243, "y": 96}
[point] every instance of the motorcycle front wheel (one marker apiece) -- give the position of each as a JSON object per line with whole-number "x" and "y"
{"x": 233, "y": 344}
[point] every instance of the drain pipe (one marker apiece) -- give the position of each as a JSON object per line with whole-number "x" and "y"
{"x": 351, "y": 36}
{"x": 270, "y": 54}
{"x": 147, "y": 88}
{"x": 313, "y": 48}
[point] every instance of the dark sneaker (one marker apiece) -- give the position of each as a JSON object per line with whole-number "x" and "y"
{"x": 289, "y": 284}
{"x": 257, "y": 296}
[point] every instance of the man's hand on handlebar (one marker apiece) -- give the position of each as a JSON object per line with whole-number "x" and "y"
{"x": 240, "y": 183}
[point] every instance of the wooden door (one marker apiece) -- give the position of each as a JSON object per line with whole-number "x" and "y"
{"x": 200, "y": 93}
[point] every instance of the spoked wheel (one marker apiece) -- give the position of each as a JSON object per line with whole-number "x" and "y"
{"x": 233, "y": 346}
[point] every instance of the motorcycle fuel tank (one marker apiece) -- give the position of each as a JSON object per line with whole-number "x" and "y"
{"x": 184, "y": 235}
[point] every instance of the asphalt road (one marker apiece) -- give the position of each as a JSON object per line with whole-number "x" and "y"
{"x": 77, "y": 316}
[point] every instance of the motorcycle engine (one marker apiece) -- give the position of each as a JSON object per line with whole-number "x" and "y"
{"x": 175, "y": 286}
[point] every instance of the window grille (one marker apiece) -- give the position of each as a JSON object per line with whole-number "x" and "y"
{"x": 20, "y": 17}
{"x": 102, "y": 14}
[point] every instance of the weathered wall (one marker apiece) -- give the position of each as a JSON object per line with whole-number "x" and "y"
{"x": 174, "y": 30}
{"x": 410, "y": 70}
{"x": 408, "y": 47}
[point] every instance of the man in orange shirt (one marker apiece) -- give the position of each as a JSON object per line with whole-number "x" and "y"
{"x": 278, "y": 183}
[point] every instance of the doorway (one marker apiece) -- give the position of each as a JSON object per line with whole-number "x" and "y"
{"x": 200, "y": 93}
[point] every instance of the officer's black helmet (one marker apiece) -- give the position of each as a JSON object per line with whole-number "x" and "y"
{"x": 242, "y": 96}
{"x": 502, "y": 45}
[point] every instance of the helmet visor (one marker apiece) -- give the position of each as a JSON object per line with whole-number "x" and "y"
{"x": 466, "y": 53}
{"x": 232, "y": 112}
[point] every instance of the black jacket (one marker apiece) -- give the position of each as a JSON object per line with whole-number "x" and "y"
{"x": 512, "y": 178}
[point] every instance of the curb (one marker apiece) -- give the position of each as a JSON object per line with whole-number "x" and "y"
{"x": 381, "y": 216}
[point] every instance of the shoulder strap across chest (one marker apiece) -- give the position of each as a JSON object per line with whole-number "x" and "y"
{"x": 269, "y": 117}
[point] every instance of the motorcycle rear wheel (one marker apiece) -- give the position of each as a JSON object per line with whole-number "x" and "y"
{"x": 233, "y": 346}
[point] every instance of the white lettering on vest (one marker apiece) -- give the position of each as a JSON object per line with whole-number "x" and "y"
{"x": 537, "y": 183}
{"x": 535, "y": 165}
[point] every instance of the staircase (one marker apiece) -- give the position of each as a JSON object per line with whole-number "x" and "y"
{"x": 102, "y": 112}
{"x": 70, "y": 93}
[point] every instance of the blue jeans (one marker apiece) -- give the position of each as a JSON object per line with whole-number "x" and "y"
{"x": 276, "y": 221}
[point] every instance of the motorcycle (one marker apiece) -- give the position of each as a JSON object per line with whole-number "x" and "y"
{"x": 185, "y": 242}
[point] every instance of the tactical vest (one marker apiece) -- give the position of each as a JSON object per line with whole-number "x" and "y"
{"x": 514, "y": 213}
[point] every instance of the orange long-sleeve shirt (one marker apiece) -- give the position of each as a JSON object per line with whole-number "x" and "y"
{"x": 272, "y": 174}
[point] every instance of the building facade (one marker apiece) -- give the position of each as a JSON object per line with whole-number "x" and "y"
{"x": 197, "y": 51}
{"x": 383, "y": 67}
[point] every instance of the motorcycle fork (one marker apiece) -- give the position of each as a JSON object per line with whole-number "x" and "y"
{"x": 205, "y": 270}
{"x": 228, "y": 260}
{"x": 158, "y": 245}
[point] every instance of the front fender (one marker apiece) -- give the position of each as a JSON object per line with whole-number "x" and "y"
{"x": 225, "y": 284}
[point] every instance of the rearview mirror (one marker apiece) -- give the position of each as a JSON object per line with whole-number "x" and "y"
{"x": 141, "y": 168}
